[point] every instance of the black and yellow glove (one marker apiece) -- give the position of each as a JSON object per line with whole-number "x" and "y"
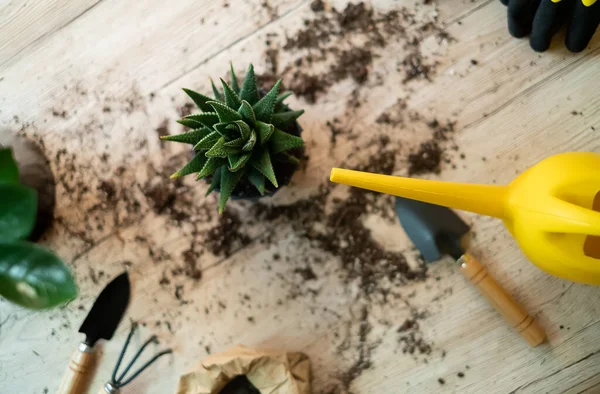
{"x": 541, "y": 19}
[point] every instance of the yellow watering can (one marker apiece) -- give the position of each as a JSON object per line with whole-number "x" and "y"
{"x": 552, "y": 209}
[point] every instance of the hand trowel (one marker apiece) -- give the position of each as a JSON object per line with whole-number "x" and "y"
{"x": 436, "y": 231}
{"x": 100, "y": 323}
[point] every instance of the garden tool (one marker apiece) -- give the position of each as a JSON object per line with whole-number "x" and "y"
{"x": 552, "y": 209}
{"x": 116, "y": 383}
{"x": 100, "y": 323}
{"x": 437, "y": 230}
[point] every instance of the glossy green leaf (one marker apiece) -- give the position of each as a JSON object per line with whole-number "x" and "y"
{"x": 216, "y": 180}
{"x": 281, "y": 141}
{"x": 18, "y": 210}
{"x": 225, "y": 113}
{"x": 9, "y": 172}
{"x": 228, "y": 182}
{"x": 237, "y": 161}
{"x": 211, "y": 166}
{"x": 264, "y": 108}
{"x": 264, "y": 131}
{"x": 234, "y": 81}
{"x": 231, "y": 98}
{"x": 283, "y": 119}
{"x": 194, "y": 165}
{"x": 247, "y": 112}
{"x": 249, "y": 90}
{"x": 258, "y": 180}
{"x": 33, "y": 277}
{"x": 200, "y": 100}
{"x": 191, "y": 137}
{"x": 218, "y": 95}
{"x": 262, "y": 162}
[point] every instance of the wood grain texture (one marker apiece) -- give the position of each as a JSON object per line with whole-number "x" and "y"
{"x": 77, "y": 377}
{"x": 89, "y": 81}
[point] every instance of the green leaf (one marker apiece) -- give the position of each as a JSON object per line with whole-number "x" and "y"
{"x": 200, "y": 100}
{"x": 231, "y": 98}
{"x": 281, "y": 141}
{"x": 264, "y": 108}
{"x": 250, "y": 143}
{"x": 228, "y": 182}
{"x": 249, "y": 90}
{"x": 207, "y": 142}
{"x": 262, "y": 162}
{"x": 218, "y": 95}
{"x": 194, "y": 165}
{"x": 33, "y": 277}
{"x": 281, "y": 98}
{"x": 228, "y": 130}
{"x": 290, "y": 158}
{"x": 18, "y": 210}
{"x": 234, "y": 81}
{"x": 207, "y": 119}
{"x": 237, "y": 162}
{"x": 283, "y": 119}
{"x": 236, "y": 143}
{"x": 9, "y": 172}
{"x": 220, "y": 150}
{"x": 258, "y": 180}
{"x": 225, "y": 113}
{"x": 210, "y": 167}
{"x": 216, "y": 180}
{"x": 243, "y": 128}
{"x": 191, "y": 137}
{"x": 247, "y": 112}
{"x": 192, "y": 124}
{"x": 264, "y": 131}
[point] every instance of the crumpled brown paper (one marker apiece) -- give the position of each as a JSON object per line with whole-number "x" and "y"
{"x": 269, "y": 372}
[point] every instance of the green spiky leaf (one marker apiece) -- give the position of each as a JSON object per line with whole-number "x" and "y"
{"x": 236, "y": 143}
{"x": 247, "y": 112}
{"x": 207, "y": 119}
{"x": 200, "y": 100}
{"x": 207, "y": 142}
{"x": 211, "y": 166}
{"x": 237, "y": 162}
{"x": 220, "y": 150}
{"x": 281, "y": 98}
{"x": 231, "y": 98}
{"x": 283, "y": 119}
{"x": 228, "y": 130}
{"x": 281, "y": 142}
{"x": 243, "y": 128}
{"x": 264, "y": 131}
{"x": 258, "y": 180}
{"x": 191, "y": 137}
{"x": 262, "y": 162}
{"x": 291, "y": 159}
{"x": 216, "y": 180}
{"x": 228, "y": 182}
{"x": 249, "y": 90}
{"x": 225, "y": 113}
{"x": 264, "y": 108}
{"x": 250, "y": 143}
{"x": 218, "y": 95}
{"x": 234, "y": 81}
{"x": 194, "y": 165}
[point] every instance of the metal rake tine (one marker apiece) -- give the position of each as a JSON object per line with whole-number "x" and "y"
{"x": 137, "y": 355}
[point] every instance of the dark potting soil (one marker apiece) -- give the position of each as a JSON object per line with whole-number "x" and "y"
{"x": 239, "y": 385}
{"x": 225, "y": 238}
{"x": 426, "y": 160}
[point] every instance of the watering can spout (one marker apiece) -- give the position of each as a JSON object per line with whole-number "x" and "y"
{"x": 487, "y": 200}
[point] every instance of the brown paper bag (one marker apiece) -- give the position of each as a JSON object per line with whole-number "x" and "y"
{"x": 269, "y": 372}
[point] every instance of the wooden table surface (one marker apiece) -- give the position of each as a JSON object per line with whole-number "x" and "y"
{"x": 95, "y": 81}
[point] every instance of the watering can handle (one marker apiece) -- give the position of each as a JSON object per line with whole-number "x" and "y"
{"x": 508, "y": 307}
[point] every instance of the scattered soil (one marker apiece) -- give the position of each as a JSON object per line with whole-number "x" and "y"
{"x": 426, "y": 160}
{"x": 226, "y": 238}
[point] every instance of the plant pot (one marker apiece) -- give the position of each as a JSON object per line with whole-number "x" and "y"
{"x": 35, "y": 172}
{"x": 284, "y": 171}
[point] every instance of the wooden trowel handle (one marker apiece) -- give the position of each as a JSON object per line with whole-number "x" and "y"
{"x": 76, "y": 378}
{"x": 510, "y": 309}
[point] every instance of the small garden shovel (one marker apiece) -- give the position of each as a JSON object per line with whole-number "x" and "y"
{"x": 437, "y": 230}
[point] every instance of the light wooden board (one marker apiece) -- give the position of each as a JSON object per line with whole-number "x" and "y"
{"x": 512, "y": 109}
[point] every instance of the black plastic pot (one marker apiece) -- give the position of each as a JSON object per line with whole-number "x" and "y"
{"x": 35, "y": 172}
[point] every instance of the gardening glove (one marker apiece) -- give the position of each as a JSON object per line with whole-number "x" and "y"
{"x": 541, "y": 19}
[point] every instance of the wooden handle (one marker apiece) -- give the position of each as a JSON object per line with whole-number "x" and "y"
{"x": 510, "y": 309}
{"x": 75, "y": 379}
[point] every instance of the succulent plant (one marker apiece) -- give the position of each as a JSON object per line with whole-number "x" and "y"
{"x": 238, "y": 136}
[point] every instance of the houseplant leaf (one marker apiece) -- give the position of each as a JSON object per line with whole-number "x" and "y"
{"x": 281, "y": 141}
{"x": 249, "y": 90}
{"x": 18, "y": 210}
{"x": 228, "y": 181}
{"x": 200, "y": 100}
{"x": 264, "y": 108}
{"x": 9, "y": 172}
{"x": 33, "y": 277}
